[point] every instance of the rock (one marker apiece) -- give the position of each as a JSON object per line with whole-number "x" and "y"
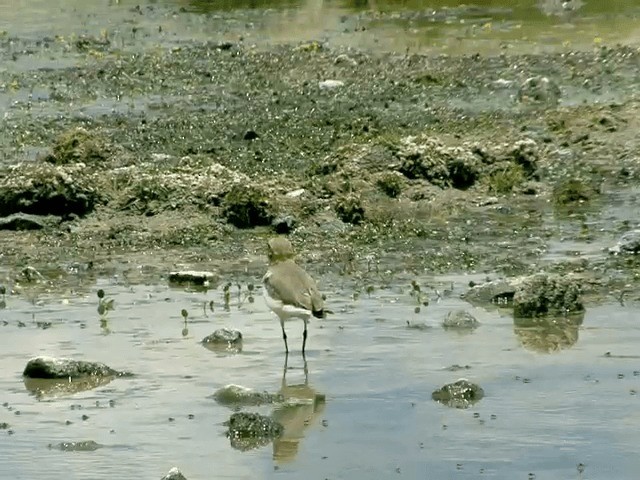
{"x": 628, "y": 243}
{"x": 499, "y": 292}
{"x": 44, "y": 189}
{"x": 30, "y": 274}
{"x": 540, "y": 90}
{"x": 460, "y": 320}
{"x": 24, "y": 221}
{"x": 237, "y": 395}
{"x": 284, "y": 225}
{"x": 543, "y": 294}
{"x": 174, "y": 474}
{"x": 349, "y": 209}
{"x": 330, "y": 84}
{"x": 247, "y": 206}
{"x": 460, "y": 394}
{"x": 193, "y": 276}
{"x": 251, "y": 430}
{"x": 51, "y": 368}
{"x": 85, "y": 446}
{"x": 224, "y": 336}
{"x": 343, "y": 58}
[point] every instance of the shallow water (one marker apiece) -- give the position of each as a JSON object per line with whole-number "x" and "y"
{"x": 446, "y": 26}
{"x": 543, "y": 413}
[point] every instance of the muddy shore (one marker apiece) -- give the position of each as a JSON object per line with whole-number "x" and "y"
{"x": 191, "y": 155}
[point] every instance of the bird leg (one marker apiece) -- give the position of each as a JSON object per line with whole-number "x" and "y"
{"x": 304, "y": 337}
{"x": 284, "y": 337}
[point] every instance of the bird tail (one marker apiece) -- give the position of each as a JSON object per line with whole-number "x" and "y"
{"x": 319, "y": 313}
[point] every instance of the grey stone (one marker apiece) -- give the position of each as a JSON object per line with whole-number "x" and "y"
{"x": 628, "y": 243}
{"x": 461, "y": 320}
{"x": 51, "y": 368}
{"x": 499, "y": 292}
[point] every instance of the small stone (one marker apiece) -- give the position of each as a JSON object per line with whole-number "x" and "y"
{"x": 330, "y": 84}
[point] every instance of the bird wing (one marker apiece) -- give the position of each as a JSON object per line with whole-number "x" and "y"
{"x": 291, "y": 284}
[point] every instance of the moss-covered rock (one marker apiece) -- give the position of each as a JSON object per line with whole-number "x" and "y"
{"x": 543, "y": 294}
{"x": 252, "y": 430}
{"x": 79, "y": 145}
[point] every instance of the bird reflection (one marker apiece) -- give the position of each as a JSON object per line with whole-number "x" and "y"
{"x": 300, "y": 409}
{"x": 548, "y": 335}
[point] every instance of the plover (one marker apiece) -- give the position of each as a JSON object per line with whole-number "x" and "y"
{"x": 289, "y": 291}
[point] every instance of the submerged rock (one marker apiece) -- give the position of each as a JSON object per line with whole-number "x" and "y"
{"x": 225, "y": 336}
{"x": 252, "y": 430}
{"x": 85, "y": 446}
{"x": 543, "y": 294}
{"x": 628, "y": 243}
{"x": 174, "y": 474}
{"x": 460, "y": 320}
{"x": 237, "y": 395}
{"x": 460, "y": 394}
{"x": 193, "y": 276}
{"x": 224, "y": 340}
{"x": 52, "y": 368}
